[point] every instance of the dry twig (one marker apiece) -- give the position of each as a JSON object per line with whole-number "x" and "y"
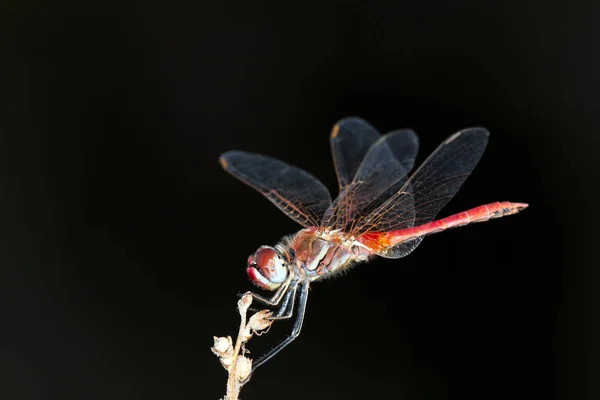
{"x": 238, "y": 366}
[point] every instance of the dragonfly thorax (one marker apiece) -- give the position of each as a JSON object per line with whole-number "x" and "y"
{"x": 318, "y": 254}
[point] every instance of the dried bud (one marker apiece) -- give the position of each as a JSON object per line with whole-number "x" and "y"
{"x": 244, "y": 303}
{"x": 243, "y": 368}
{"x": 260, "y": 321}
{"x": 226, "y": 362}
{"x": 223, "y": 346}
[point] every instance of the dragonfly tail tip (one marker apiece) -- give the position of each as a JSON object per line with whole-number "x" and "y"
{"x": 521, "y": 206}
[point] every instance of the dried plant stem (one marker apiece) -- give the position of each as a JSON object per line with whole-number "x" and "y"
{"x": 238, "y": 366}
{"x": 233, "y": 383}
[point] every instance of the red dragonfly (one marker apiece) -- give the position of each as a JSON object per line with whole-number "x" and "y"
{"x": 379, "y": 211}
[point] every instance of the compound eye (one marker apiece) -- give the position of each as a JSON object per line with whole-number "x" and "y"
{"x": 266, "y": 258}
{"x": 266, "y": 269}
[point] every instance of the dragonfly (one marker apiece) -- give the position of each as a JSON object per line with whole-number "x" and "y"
{"x": 380, "y": 211}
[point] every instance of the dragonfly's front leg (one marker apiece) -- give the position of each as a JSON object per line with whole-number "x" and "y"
{"x": 276, "y": 299}
{"x": 285, "y": 309}
{"x": 297, "y": 325}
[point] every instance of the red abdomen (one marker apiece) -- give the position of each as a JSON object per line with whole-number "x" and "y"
{"x": 377, "y": 241}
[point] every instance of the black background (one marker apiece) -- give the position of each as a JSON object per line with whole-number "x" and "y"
{"x": 124, "y": 243}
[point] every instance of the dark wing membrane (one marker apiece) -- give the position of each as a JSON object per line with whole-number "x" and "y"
{"x": 294, "y": 191}
{"x": 350, "y": 140}
{"x": 382, "y": 172}
{"x": 427, "y": 191}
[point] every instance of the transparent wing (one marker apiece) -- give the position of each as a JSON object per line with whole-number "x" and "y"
{"x": 294, "y": 191}
{"x": 350, "y": 140}
{"x": 382, "y": 172}
{"x": 426, "y": 192}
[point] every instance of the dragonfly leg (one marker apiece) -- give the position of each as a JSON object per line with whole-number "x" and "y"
{"x": 276, "y": 299}
{"x": 287, "y": 306}
{"x": 295, "y": 331}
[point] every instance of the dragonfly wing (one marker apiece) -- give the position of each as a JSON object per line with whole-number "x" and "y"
{"x": 294, "y": 191}
{"x": 350, "y": 140}
{"x": 427, "y": 191}
{"x": 382, "y": 172}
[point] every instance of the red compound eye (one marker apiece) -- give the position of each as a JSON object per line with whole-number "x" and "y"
{"x": 265, "y": 268}
{"x": 266, "y": 258}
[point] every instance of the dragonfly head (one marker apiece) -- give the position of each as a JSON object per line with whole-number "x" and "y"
{"x": 266, "y": 268}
